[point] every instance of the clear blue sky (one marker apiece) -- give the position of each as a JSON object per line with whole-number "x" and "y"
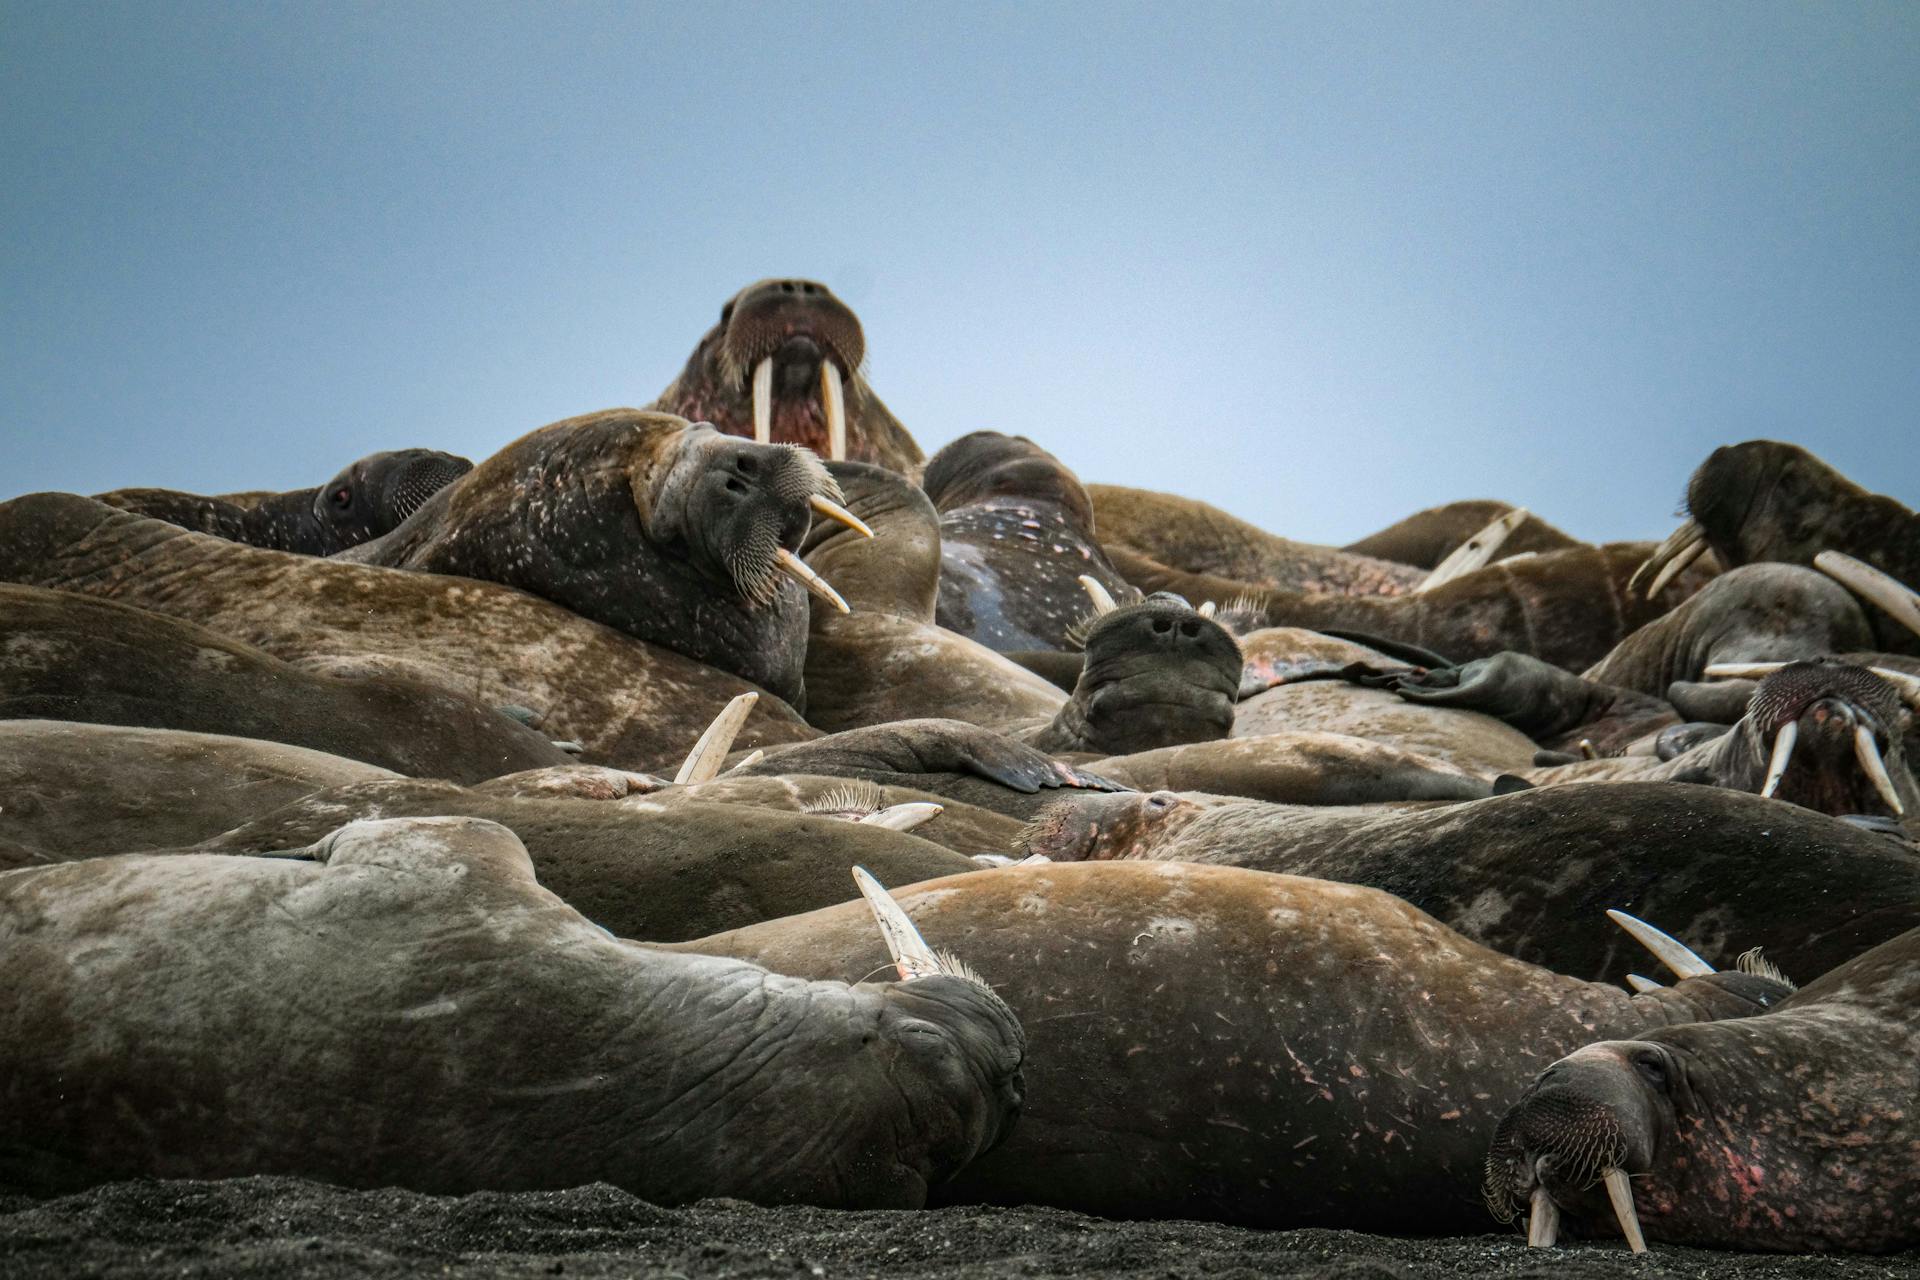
{"x": 1322, "y": 265}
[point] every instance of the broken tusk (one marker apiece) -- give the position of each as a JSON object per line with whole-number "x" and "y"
{"x": 905, "y": 817}
{"x": 1873, "y": 586}
{"x": 912, "y": 957}
{"x": 1667, "y": 950}
{"x": 1103, "y": 602}
{"x": 1642, "y": 985}
{"x": 710, "y": 752}
{"x": 1475, "y": 552}
{"x": 835, "y": 512}
{"x": 833, "y": 398}
{"x": 1621, "y": 1194}
{"x": 751, "y": 759}
{"x": 1867, "y": 752}
{"x": 801, "y": 572}
{"x": 1782, "y": 757}
{"x": 1543, "y": 1223}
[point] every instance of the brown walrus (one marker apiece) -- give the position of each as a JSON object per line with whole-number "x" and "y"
{"x": 785, "y": 365}
{"x": 1425, "y": 538}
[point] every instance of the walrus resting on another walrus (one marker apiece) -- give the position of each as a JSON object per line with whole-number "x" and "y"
{"x": 368, "y": 498}
{"x": 1793, "y": 1131}
{"x": 1425, "y": 538}
{"x": 402, "y": 1005}
{"x": 785, "y": 365}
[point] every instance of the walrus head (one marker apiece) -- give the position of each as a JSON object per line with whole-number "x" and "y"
{"x": 1825, "y": 735}
{"x": 664, "y": 529}
{"x": 987, "y": 464}
{"x": 784, "y": 365}
{"x": 1099, "y": 828}
{"x": 375, "y": 495}
{"x": 895, "y": 570}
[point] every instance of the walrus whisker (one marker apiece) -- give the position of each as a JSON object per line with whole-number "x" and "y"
{"x": 1667, "y": 949}
{"x": 710, "y": 751}
{"x": 912, "y": 957}
{"x": 1103, "y": 602}
{"x": 1642, "y": 985}
{"x": 905, "y": 817}
{"x": 763, "y": 401}
{"x": 840, "y": 515}
{"x": 1783, "y": 745}
{"x": 1867, "y": 751}
{"x": 801, "y": 572}
{"x": 1543, "y": 1223}
{"x": 1621, "y": 1194}
{"x": 1870, "y": 584}
{"x": 1475, "y": 552}
{"x": 1682, "y": 547}
{"x": 833, "y": 398}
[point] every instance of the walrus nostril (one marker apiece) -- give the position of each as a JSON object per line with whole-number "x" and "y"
{"x": 1190, "y": 629}
{"x": 1162, "y": 625}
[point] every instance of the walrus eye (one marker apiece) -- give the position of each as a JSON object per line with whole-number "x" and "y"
{"x": 343, "y": 498}
{"x": 1651, "y": 1068}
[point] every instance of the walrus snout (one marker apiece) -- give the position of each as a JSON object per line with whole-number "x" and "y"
{"x": 797, "y": 324}
{"x": 1835, "y": 733}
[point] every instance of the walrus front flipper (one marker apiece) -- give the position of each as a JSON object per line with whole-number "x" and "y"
{"x": 907, "y": 747}
{"x": 1538, "y": 699}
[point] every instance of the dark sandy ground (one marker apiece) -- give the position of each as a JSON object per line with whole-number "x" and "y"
{"x": 288, "y": 1227}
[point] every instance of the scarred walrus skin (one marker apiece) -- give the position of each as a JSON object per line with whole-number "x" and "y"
{"x": 71, "y": 657}
{"x": 628, "y": 703}
{"x": 1206, "y": 1042}
{"x": 663, "y": 529}
{"x": 407, "y": 1007}
{"x": 1795, "y": 1131}
{"x": 1425, "y": 538}
{"x": 1016, "y": 537}
{"x": 1721, "y": 870}
{"x": 369, "y": 498}
{"x": 1565, "y": 607}
{"x": 778, "y": 346}
{"x": 1193, "y": 537}
{"x": 1764, "y": 500}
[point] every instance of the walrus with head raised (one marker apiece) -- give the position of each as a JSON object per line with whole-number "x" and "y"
{"x": 1206, "y": 1042}
{"x": 400, "y": 1004}
{"x": 664, "y": 529}
{"x": 368, "y": 498}
{"x": 1793, "y": 1131}
{"x": 786, "y": 365}
{"x": 1425, "y": 538}
{"x": 626, "y": 702}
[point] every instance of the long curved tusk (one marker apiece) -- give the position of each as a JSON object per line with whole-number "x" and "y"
{"x": 1621, "y": 1193}
{"x": 840, "y": 515}
{"x": 833, "y": 398}
{"x": 1643, "y": 985}
{"x": 1872, "y": 585}
{"x": 710, "y": 752}
{"x": 1782, "y": 757}
{"x": 1543, "y": 1223}
{"x": 1867, "y": 752}
{"x": 1103, "y": 602}
{"x": 1741, "y": 670}
{"x": 905, "y": 817}
{"x": 1667, "y": 950}
{"x": 801, "y": 572}
{"x": 1475, "y": 552}
{"x": 763, "y": 401}
{"x": 1688, "y": 541}
{"x": 912, "y": 957}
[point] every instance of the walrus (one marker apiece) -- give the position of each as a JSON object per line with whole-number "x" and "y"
{"x": 72, "y": 657}
{"x": 400, "y": 1004}
{"x": 1721, "y": 869}
{"x": 1465, "y": 739}
{"x": 1016, "y": 540}
{"x": 627, "y": 703}
{"x": 786, "y": 364}
{"x": 1207, "y": 1042}
{"x": 1193, "y": 537}
{"x": 1295, "y": 768}
{"x": 1565, "y": 607}
{"x": 368, "y": 498}
{"x": 1560, "y": 711}
{"x": 664, "y": 529}
{"x": 72, "y": 790}
{"x": 1425, "y": 538}
{"x": 1794, "y": 1131}
{"x": 1768, "y": 501}
{"x": 888, "y": 659}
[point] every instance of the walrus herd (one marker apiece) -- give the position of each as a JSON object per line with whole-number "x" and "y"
{"x": 545, "y": 820}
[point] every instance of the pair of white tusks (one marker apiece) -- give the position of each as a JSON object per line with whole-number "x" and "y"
{"x": 833, "y": 398}
{"x": 1865, "y": 749}
{"x": 802, "y": 572}
{"x": 1475, "y": 553}
{"x": 1671, "y": 558}
{"x": 1543, "y": 1224}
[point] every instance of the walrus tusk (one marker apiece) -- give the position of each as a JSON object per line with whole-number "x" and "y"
{"x": 763, "y": 401}
{"x": 751, "y": 759}
{"x": 840, "y": 515}
{"x": 912, "y": 957}
{"x": 1208, "y": 609}
{"x": 1873, "y": 586}
{"x": 1621, "y": 1194}
{"x": 1682, "y": 547}
{"x": 1543, "y": 1224}
{"x": 1782, "y": 757}
{"x": 833, "y": 399}
{"x": 1741, "y": 670}
{"x": 1867, "y": 751}
{"x": 1103, "y": 603}
{"x": 1642, "y": 985}
{"x": 1475, "y": 552}
{"x": 1668, "y": 950}
{"x": 801, "y": 572}
{"x": 710, "y": 752}
{"x": 905, "y": 817}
